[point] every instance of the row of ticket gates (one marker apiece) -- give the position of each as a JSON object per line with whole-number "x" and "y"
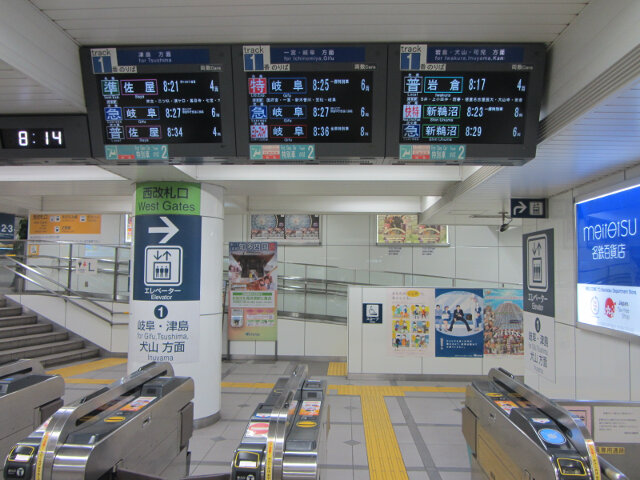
{"x": 139, "y": 427}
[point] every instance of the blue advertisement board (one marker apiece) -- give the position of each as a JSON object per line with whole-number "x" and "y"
{"x": 7, "y": 226}
{"x": 167, "y": 257}
{"x": 459, "y": 322}
{"x": 608, "y": 251}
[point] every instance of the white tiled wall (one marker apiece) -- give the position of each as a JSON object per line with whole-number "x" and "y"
{"x": 477, "y": 256}
{"x": 589, "y": 365}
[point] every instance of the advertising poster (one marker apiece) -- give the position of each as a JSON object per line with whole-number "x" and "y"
{"x": 405, "y": 230}
{"x": 253, "y": 287}
{"x": 503, "y": 321}
{"x": 459, "y": 322}
{"x": 608, "y": 247}
{"x": 410, "y": 329}
{"x": 300, "y": 229}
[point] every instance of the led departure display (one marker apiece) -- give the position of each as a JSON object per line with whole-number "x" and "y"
{"x": 306, "y": 102}
{"x": 167, "y": 96}
{"x": 321, "y": 107}
{"x": 472, "y": 103}
{"x": 468, "y": 107}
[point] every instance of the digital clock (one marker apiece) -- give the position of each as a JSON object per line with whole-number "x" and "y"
{"x": 44, "y": 136}
{"x": 24, "y": 138}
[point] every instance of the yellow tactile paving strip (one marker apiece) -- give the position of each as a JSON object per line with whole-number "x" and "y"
{"x": 383, "y": 452}
{"x": 87, "y": 367}
{"x": 337, "y": 369}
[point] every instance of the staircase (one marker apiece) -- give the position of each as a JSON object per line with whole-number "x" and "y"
{"x": 24, "y": 336}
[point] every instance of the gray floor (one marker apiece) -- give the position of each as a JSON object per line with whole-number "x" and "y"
{"x": 427, "y": 425}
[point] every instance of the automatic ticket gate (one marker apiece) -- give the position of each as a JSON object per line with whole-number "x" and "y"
{"x": 285, "y": 438}
{"x": 28, "y": 396}
{"x": 142, "y": 422}
{"x": 515, "y": 433}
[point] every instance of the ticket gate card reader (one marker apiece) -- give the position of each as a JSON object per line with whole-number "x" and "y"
{"x": 286, "y": 435}
{"x": 516, "y": 433}
{"x": 28, "y": 396}
{"x": 143, "y": 421}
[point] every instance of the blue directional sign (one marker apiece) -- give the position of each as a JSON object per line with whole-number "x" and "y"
{"x": 7, "y": 226}
{"x": 167, "y": 257}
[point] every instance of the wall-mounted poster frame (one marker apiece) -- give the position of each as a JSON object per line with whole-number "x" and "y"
{"x": 286, "y": 229}
{"x": 405, "y": 230}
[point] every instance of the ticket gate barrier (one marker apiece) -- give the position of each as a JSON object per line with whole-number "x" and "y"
{"x": 286, "y": 437}
{"x": 614, "y": 426}
{"x": 516, "y": 433}
{"x": 28, "y": 396}
{"x": 142, "y": 421}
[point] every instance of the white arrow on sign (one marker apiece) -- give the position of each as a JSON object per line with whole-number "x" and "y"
{"x": 520, "y": 208}
{"x": 170, "y": 229}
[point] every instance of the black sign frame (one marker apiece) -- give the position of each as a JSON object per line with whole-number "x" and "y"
{"x": 374, "y": 54}
{"x": 534, "y": 54}
{"x": 219, "y": 55}
{"x": 76, "y": 136}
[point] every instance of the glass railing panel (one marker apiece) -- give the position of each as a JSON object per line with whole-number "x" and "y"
{"x": 475, "y": 284}
{"x": 343, "y": 275}
{"x": 316, "y": 272}
{"x": 363, "y": 276}
{"x": 426, "y": 281}
{"x": 385, "y": 278}
{"x": 337, "y": 306}
{"x": 316, "y": 304}
{"x": 293, "y": 302}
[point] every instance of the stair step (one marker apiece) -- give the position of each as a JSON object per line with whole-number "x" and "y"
{"x": 20, "y": 330}
{"x": 70, "y": 356}
{"x": 3, "y": 302}
{"x": 40, "y": 350}
{"x": 18, "y": 320}
{"x": 31, "y": 340}
{"x": 10, "y": 311}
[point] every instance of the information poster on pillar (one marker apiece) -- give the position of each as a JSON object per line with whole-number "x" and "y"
{"x": 410, "y": 324}
{"x": 459, "y": 322}
{"x": 166, "y": 283}
{"x": 253, "y": 290}
{"x": 503, "y": 321}
{"x": 539, "y": 345}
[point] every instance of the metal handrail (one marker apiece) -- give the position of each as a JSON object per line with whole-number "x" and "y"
{"x": 77, "y": 294}
{"x": 66, "y": 298}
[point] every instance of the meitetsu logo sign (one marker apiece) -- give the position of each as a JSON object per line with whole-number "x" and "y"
{"x": 627, "y": 227}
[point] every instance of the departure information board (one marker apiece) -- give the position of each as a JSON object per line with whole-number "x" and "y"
{"x": 44, "y": 136}
{"x": 178, "y": 99}
{"x": 472, "y": 103}
{"x": 318, "y": 96}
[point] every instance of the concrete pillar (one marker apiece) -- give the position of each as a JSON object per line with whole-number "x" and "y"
{"x": 176, "y": 305}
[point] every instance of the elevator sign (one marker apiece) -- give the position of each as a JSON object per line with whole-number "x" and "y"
{"x": 167, "y": 257}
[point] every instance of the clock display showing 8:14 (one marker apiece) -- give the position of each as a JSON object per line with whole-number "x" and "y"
{"x": 24, "y": 138}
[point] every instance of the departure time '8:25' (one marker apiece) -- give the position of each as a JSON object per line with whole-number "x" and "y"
{"x": 310, "y": 107}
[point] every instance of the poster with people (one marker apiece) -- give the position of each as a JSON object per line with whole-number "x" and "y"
{"x": 503, "y": 321}
{"x": 253, "y": 290}
{"x": 459, "y": 323}
{"x": 410, "y": 327}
